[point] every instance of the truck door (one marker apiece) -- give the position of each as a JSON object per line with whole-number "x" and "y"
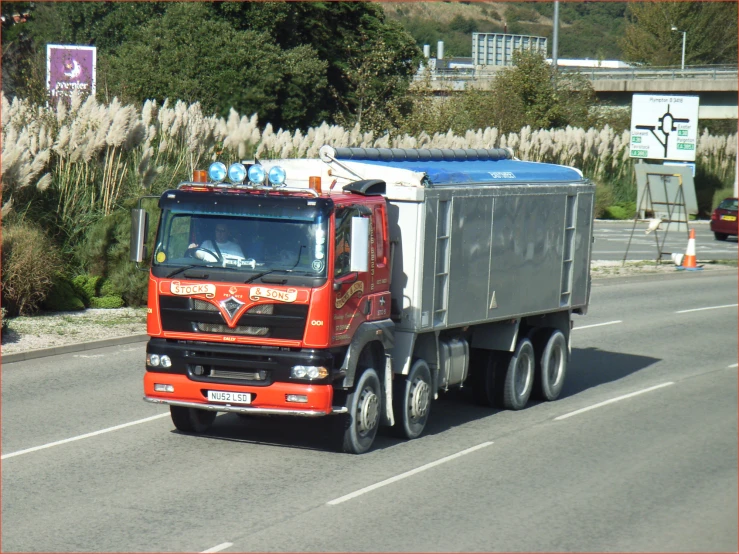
{"x": 350, "y": 303}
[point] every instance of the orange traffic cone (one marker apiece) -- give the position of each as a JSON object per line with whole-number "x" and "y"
{"x": 689, "y": 262}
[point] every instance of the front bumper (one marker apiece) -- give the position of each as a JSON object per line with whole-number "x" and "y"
{"x": 265, "y": 400}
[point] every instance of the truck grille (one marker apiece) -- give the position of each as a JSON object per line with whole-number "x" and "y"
{"x": 238, "y": 330}
{"x": 280, "y": 321}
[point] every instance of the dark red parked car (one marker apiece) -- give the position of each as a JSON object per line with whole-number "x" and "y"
{"x": 723, "y": 219}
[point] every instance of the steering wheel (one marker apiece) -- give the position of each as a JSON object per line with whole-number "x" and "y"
{"x": 192, "y": 253}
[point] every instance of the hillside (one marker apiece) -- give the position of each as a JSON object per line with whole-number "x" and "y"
{"x": 587, "y": 29}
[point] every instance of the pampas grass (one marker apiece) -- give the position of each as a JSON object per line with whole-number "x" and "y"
{"x": 94, "y": 156}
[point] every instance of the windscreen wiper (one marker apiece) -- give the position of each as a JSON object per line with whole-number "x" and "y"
{"x": 260, "y": 275}
{"x": 181, "y": 269}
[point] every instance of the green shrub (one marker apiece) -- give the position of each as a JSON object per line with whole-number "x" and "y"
{"x": 105, "y": 251}
{"x": 618, "y": 212}
{"x": 29, "y": 263}
{"x": 106, "y": 302}
{"x": 603, "y": 199}
{"x": 63, "y": 297}
{"x": 107, "y": 288}
{"x": 4, "y": 320}
{"x": 86, "y": 286}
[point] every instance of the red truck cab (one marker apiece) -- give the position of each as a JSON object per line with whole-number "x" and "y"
{"x": 263, "y": 326}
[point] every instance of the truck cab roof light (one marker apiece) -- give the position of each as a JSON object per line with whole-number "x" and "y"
{"x": 257, "y": 174}
{"x": 199, "y": 176}
{"x": 277, "y": 175}
{"x": 237, "y": 173}
{"x": 217, "y": 172}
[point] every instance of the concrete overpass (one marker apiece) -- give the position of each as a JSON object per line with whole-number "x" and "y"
{"x": 715, "y": 85}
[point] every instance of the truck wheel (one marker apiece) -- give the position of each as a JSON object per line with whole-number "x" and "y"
{"x": 519, "y": 376}
{"x": 412, "y": 401}
{"x": 364, "y": 404}
{"x": 486, "y": 364}
{"x": 721, "y": 236}
{"x": 191, "y": 420}
{"x": 551, "y": 366}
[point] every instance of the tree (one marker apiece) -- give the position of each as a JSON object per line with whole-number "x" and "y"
{"x": 711, "y": 36}
{"x": 532, "y": 93}
{"x": 529, "y": 93}
{"x": 333, "y": 30}
{"x": 188, "y": 55}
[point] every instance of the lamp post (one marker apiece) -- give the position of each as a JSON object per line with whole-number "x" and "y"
{"x": 682, "y": 64}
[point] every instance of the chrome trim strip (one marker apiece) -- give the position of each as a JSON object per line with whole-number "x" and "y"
{"x": 246, "y": 409}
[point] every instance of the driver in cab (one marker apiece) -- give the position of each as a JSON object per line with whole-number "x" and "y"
{"x": 223, "y": 243}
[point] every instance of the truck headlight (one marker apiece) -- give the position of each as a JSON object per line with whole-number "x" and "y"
{"x": 165, "y": 361}
{"x": 308, "y": 372}
{"x": 152, "y": 360}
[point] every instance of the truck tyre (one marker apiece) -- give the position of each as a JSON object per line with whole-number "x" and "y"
{"x": 551, "y": 366}
{"x": 191, "y": 420}
{"x": 721, "y": 236}
{"x": 519, "y": 376}
{"x": 365, "y": 405}
{"x": 412, "y": 401}
{"x": 485, "y": 382}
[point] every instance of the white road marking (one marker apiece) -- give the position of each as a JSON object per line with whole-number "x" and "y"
{"x": 597, "y": 325}
{"x": 88, "y": 355}
{"x": 406, "y": 474}
{"x": 222, "y": 546}
{"x": 708, "y": 308}
{"x": 732, "y": 366}
{"x": 612, "y": 400}
{"x": 80, "y": 437}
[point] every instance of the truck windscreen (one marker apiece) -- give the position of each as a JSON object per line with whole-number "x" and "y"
{"x": 243, "y": 235}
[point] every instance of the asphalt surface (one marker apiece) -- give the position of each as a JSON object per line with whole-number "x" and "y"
{"x": 612, "y": 241}
{"x": 649, "y": 465}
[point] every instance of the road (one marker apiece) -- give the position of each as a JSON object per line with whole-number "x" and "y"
{"x": 639, "y": 453}
{"x": 612, "y": 238}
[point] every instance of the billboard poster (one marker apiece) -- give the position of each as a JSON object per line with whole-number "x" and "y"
{"x": 70, "y": 68}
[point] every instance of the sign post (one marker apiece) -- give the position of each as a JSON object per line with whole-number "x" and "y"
{"x": 664, "y": 127}
{"x": 70, "y": 68}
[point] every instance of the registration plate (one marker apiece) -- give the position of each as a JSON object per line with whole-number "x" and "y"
{"x": 229, "y": 397}
{"x": 728, "y": 217}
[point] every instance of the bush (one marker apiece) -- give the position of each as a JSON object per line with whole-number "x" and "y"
{"x": 603, "y": 199}
{"x": 29, "y": 263}
{"x": 105, "y": 251}
{"x": 63, "y": 297}
{"x": 86, "y": 287}
{"x": 107, "y": 288}
{"x": 4, "y": 320}
{"x": 106, "y": 302}
{"x": 618, "y": 212}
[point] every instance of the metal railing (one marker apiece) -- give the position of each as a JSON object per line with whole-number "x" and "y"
{"x": 714, "y": 72}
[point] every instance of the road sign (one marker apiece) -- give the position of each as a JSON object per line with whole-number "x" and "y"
{"x": 664, "y": 127}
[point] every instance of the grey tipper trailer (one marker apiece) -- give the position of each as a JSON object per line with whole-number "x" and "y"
{"x": 490, "y": 257}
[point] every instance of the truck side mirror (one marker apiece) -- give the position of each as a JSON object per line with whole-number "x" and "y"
{"x": 360, "y": 244}
{"x": 139, "y": 228}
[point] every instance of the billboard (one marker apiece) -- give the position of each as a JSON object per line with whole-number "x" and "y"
{"x": 70, "y": 68}
{"x": 664, "y": 127}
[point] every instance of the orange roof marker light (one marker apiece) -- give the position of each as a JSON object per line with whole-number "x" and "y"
{"x": 315, "y": 184}
{"x": 199, "y": 176}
